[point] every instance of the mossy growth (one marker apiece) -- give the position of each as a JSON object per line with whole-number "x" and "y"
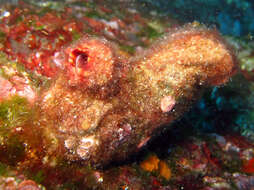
{"x": 3, "y": 169}
{"x": 128, "y": 49}
{"x": 2, "y": 36}
{"x": 38, "y": 177}
{"x": 83, "y": 4}
{"x": 75, "y": 35}
{"x": 14, "y": 112}
{"x": 150, "y": 32}
{"x": 93, "y": 14}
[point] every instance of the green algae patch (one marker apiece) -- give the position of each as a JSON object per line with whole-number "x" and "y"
{"x": 83, "y": 4}
{"x": 38, "y": 177}
{"x": 3, "y": 169}
{"x": 75, "y": 35}
{"x": 157, "y": 26}
{"x": 93, "y": 14}
{"x": 150, "y": 32}
{"x": 128, "y": 49}
{"x": 14, "y": 112}
{"x": 2, "y": 36}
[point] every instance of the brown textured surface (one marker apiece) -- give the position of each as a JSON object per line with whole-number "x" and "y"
{"x": 98, "y": 129}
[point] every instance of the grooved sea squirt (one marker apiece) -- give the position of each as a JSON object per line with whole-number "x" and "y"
{"x": 98, "y": 104}
{"x": 104, "y": 106}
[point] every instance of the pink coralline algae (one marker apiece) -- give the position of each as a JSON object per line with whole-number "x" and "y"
{"x": 16, "y": 86}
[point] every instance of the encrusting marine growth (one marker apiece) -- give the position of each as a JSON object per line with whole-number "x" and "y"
{"x": 104, "y": 106}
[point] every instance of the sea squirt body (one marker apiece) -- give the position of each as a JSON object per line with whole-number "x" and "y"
{"x": 105, "y": 107}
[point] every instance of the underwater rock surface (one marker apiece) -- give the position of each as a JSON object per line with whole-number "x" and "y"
{"x": 88, "y": 89}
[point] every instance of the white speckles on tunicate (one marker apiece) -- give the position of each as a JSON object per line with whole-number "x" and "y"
{"x": 70, "y": 143}
{"x": 167, "y": 103}
{"x": 68, "y": 100}
{"x": 47, "y": 97}
{"x": 19, "y": 129}
{"x": 124, "y": 131}
{"x": 127, "y": 127}
{"x": 85, "y": 145}
{"x": 120, "y": 132}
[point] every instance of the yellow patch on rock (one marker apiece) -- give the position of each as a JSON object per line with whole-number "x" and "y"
{"x": 150, "y": 164}
{"x": 165, "y": 171}
{"x": 153, "y": 163}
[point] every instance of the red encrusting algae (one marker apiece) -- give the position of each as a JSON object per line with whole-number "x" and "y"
{"x": 248, "y": 166}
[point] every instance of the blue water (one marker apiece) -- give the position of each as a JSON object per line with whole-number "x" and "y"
{"x": 232, "y": 17}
